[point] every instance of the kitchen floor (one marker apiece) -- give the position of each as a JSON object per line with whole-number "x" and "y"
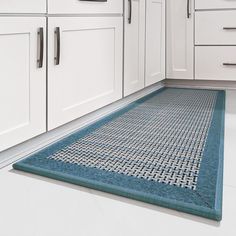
{"x": 35, "y": 206}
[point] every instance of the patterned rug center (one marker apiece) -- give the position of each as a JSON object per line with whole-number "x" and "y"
{"x": 161, "y": 139}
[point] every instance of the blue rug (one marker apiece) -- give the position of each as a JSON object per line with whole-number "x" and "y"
{"x": 164, "y": 149}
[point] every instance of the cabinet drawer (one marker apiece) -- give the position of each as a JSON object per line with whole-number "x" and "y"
{"x": 23, "y": 6}
{"x": 210, "y": 63}
{"x": 216, "y": 27}
{"x": 215, "y": 4}
{"x": 85, "y": 7}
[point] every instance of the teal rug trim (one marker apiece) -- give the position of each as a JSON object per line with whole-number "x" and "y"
{"x": 205, "y": 201}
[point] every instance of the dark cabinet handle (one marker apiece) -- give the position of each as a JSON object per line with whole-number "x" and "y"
{"x": 229, "y": 64}
{"x": 58, "y": 46}
{"x": 130, "y": 12}
{"x": 229, "y": 28}
{"x": 188, "y": 9}
{"x": 41, "y": 47}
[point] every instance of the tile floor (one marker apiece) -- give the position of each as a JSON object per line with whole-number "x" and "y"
{"x": 36, "y": 206}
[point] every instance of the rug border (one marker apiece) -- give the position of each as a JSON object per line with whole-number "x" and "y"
{"x": 215, "y": 214}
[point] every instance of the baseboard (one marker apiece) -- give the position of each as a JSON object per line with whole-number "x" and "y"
{"x": 204, "y": 84}
{"x": 33, "y": 145}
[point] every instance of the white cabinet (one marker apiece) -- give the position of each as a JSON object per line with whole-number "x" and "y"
{"x": 216, "y": 63}
{"x": 215, "y": 40}
{"x": 87, "y": 72}
{"x": 22, "y": 82}
{"x": 215, "y": 4}
{"x": 85, "y": 7}
{"x": 134, "y": 46}
{"x": 23, "y": 6}
{"x": 155, "y": 41}
{"x": 180, "y": 39}
{"x": 144, "y": 54}
{"x": 215, "y": 27}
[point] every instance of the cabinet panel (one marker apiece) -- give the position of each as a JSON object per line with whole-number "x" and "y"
{"x": 216, "y": 63}
{"x": 215, "y": 27}
{"x": 89, "y": 75}
{"x": 180, "y": 39}
{"x": 87, "y": 7}
{"x": 155, "y": 41}
{"x": 22, "y": 84}
{"x": 134, "y": 53}
{"x": 23, "y": 6}
{"x": 215, "y": 4}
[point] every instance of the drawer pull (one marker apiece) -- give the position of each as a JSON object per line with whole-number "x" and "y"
{"x": 229, "y": 28}
{"x": 130, "y": 12}
{"x": 58, "y": 46}
{"x": 188, "y": 9}
{"x": 41, "y": 47}
{"x": 229, "y": 64}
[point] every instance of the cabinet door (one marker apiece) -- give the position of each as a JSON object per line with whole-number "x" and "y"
{"x": 180, "y": 39}
{"x": 88, "y": 75}
{"x": 134, "y": 53}
{"x": 22, "y": 82}
{"x": 23, "y": 6}
{"x": 155, "y": 41}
